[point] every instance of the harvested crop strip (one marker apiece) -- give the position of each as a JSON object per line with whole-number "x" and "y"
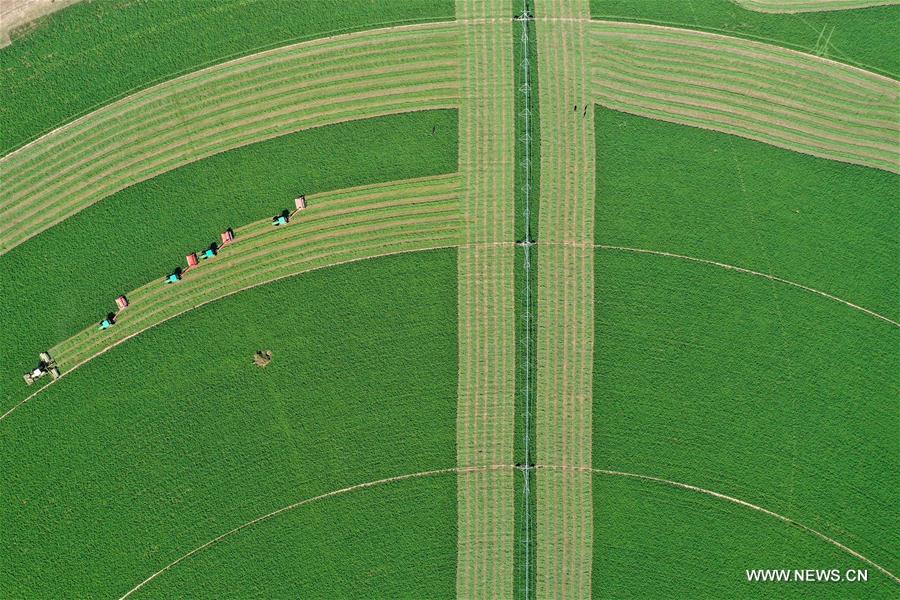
{"x": 248, "y": 100}
{"x": 338, "y": 227}
{"x": 758, "y": 91}
{"x": 486, "y": 396}
{"x": 796, "y": 6}
{"x": 565, "y": 334}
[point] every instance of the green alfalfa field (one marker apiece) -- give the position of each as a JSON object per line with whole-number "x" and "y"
{"x": 147, "y": 229}
{"x": 656, "y": 541}
{"x": 732, "y": 382}
{"x": 867, "y": 38}
{"x": 56, "y": 73}
{"x": 176, "y": 437}
{"x": 825, "y": 224}
{"x": 402, "y": 533}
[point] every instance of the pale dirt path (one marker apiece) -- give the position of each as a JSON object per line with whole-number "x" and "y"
{"x": 732, "y": 499}
{"x": 797, "y": 6}
{"x": 18, "y": 13}
{"x": 565, "y": 322}
{"x": 486, "y": 393}
{"x": 280, "y": 511}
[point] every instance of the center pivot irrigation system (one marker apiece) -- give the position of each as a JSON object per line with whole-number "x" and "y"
{"x": 48, "y": 366}
{"x": 527, "y": 468}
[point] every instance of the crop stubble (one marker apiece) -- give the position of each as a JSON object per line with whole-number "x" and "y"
{"x": 338, "y": 227}
{"x": 565, "y": 300}
{"x": 237, "y": 103}
{"x": 766, "y": 93}
{"x": 485, "y": 412}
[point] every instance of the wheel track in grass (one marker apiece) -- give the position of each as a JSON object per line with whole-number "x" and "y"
{"x": 418, "y": 74}
{"x": 504, "y": 467}
{"x": 486, "y": 393}
{"x": 366, "y": 222}
{"x": 354, "y": 488}
{"x": 754, "y": 90}
{"x": 565, "y": 299}
{"x": 727, "y": 498}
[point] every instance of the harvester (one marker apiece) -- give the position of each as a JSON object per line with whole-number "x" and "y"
{"x": 45, "y": 366}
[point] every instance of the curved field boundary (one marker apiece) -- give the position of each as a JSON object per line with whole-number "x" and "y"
{"x": 774, "y": 278}
{"x": 486, "y": 298}
{"x": 766, "y": 93}
{"x": 251, "y": 99}
{"x": 565, "y": 286}
{"x": 337, "y": 227}
{"x": 275, "y": 513}
{"x": 797, "y": 6}
{"x": 733, "y": 500}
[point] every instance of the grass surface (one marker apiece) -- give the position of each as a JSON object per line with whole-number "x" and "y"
{"x": 830, "y": 226}
{"x": 565, "y": 284}
{"x": 486, "y": 392}
{"x": 144, "y": 238}
{"x": 758, "y": 91}
{"x": 51, "y": 75}
{"x": 867, "y": 38}
{"x": 794, "y": 6}
{"x": 259, "y": 97}
{"x": 402, "y": 535}
{"x": 176, "y": 437}
{"x": 340, "y": 226}
{"x": 755, "y": 390}
{"x": 654, "y": 541}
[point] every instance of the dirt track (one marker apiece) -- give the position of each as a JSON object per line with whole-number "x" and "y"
{"x": 15, "y": 14}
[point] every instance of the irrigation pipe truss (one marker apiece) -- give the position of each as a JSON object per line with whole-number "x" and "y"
{"x": 524, "y": 18}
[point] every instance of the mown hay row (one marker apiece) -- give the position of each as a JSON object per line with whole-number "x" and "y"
{"x": 766, "y": 93}
{"x": 565, "y": 282}
{"x": 337, "y": 227}
{"x": 796, "y": 6}
{"x": 486, "y": 392}
{"x": 348, "y": 77}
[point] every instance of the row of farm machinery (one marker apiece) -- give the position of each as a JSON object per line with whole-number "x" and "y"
{"x": 47, "y": 365}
